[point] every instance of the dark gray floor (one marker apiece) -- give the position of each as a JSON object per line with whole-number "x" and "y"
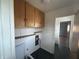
{"x": 42, "y": 54}
{"x": 62, "y": 52}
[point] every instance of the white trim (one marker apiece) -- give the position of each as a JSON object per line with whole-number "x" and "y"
{"x": 1, "y": 47}
{"x": 7, "y": 30}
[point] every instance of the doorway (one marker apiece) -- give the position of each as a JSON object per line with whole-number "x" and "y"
{"x": 65, "y": 33}
{"x": 63, "y": 36}
{"x": 59, "y": 29}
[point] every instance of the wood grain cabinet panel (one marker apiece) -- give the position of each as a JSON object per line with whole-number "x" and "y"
{"x": 19, "y": 13}
{"x": 42, "y": 19}
{"x": 39, "y": 18}
{"x": 34, "y": 17}
{"x": 29, "y": 15}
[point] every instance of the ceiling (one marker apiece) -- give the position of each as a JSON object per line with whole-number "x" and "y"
{"x": 52, "y": 4}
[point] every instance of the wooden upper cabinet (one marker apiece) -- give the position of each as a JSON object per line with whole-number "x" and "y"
{"x": 29, "y": 15}
{"x": 42, "y": 20}
{"x": 19, "y": 13}
{"x": 34, "y": 17}
{"x": 39, "y": 18}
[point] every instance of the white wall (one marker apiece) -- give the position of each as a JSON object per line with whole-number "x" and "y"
{"x": 26, "y": 31}
{"x": 75, "y": 33}
{"x": 7, "y": 42}
{"x": 49, "y": 30}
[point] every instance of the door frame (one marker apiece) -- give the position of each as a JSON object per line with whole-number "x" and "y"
{"x": 7, "y": 37}
{"x": 57, "y": 28}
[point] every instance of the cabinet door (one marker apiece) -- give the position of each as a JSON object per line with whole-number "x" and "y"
{"x": 42, "y": 18}
{"x": 19, "y": 13}
{"x": 39, "y": 18}
{"x": 29, "y": 15}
